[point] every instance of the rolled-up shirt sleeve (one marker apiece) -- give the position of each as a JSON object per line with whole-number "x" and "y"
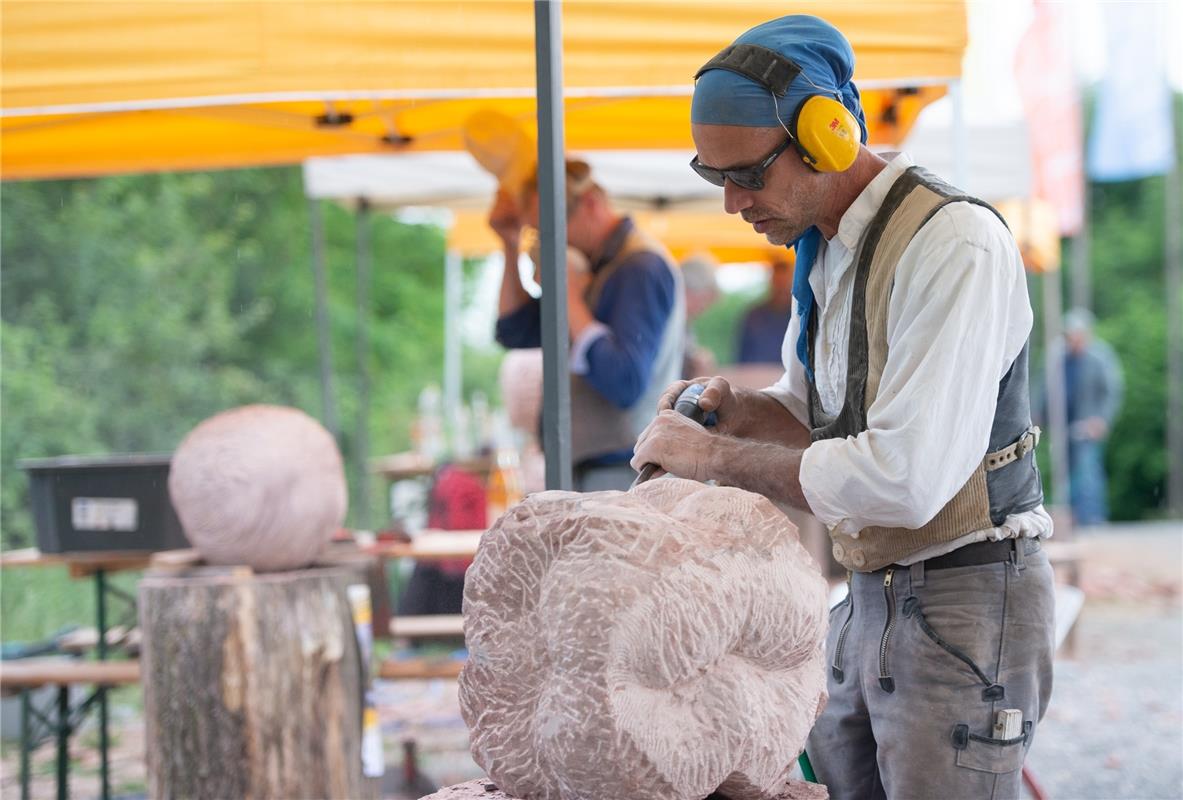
{"x": 958, "y": 317}
{"x": 521, "y": 327}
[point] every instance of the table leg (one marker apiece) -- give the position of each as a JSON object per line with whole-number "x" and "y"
{"x": 26, "y": 742}
{"x": 101, "y": 622}
{"x": 63, "y": 736}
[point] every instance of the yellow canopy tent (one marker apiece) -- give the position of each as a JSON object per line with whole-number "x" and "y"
{"x": 93, "y": 88}
{"x": 728, "y": 238}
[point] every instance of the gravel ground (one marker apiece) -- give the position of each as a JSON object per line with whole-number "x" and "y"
{"x": 1114, "y": 728}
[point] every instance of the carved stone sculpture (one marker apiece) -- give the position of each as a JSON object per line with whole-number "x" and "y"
{"x": 259, "y": 485}
{"x": 659, "y": 644}
{"x": 481, "y": 789}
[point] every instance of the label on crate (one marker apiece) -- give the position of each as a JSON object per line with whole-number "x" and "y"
{"x": 104, "y": 514}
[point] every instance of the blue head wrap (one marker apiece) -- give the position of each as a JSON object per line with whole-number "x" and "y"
{"x": 722, "y": 97}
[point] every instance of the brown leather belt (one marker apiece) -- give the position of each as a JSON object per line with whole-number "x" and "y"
{"x": 978, "y": 553}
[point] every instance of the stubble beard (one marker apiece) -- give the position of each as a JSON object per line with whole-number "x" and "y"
{"x": 781, "y": 232}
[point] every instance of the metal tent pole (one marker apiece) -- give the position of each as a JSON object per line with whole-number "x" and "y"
{"x": 362, "y": 445}
{"x": 328, "y": 409}
{"x": 1057, "y": 408}
{"x": 556, "y": 386}
{"x": 1173, "y": 201}
{"x": 452, "y": 341}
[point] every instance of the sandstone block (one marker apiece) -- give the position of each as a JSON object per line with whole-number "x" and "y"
{"x": 660, "y": 644}
{"x": 259, "y": 485}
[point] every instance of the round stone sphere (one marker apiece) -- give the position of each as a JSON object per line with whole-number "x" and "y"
{"x": 259, "y": 485}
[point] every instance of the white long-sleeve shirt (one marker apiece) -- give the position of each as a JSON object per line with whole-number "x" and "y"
{"x": 957, "y": 318}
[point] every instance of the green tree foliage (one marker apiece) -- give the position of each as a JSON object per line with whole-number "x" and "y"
{"x": 1128, "y": 243}
{"x": 134, "y": 307}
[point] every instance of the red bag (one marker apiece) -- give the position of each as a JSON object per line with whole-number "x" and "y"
{"x": 458, "y": 502}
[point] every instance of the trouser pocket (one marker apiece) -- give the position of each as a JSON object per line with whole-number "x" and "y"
{"x": 840, "y": 645}
{"x": 987, "y": 754}
{"x": 991, "y": 691}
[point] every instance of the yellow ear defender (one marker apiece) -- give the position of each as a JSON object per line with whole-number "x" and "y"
{"x": 824, "y": 132}
{"x": 827, "y": 135}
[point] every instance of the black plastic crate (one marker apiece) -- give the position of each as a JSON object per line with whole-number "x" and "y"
{"x": 115, "y": 502}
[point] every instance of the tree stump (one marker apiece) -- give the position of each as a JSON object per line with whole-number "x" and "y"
{"x": 253, "y": 684}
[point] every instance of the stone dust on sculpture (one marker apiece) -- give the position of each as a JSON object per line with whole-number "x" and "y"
{"x": 659, "y": 644}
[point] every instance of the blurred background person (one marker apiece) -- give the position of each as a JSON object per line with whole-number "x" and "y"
{"x": 1093, "y": 388}
{"x": 762, "y": 331}
{"x": 702, "y": 290}
{"x": 626, "y": 316}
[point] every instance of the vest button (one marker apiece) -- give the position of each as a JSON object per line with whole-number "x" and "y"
{"x": 839, "y": 552}
{"x": 859, "y": 558}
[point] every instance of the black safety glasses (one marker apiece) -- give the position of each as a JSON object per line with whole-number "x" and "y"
{"x": 747, "y": 177}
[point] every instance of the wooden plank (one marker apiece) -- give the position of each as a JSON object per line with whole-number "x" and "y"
{"x": 83, "y": 640}
{"x": 402, "y": 466}
{"x": 175, "y": 558}
{"x": 427, "y": 626}
{"x": 419, "y": 669}
{"x": 431, "y": 545}
{"x": 80, "y": 564}
{"x": 31, "y": 673}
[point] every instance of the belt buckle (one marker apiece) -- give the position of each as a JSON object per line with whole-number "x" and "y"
{"x": 1023, "y": 446}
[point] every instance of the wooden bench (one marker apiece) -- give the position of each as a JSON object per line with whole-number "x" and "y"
{"x": 419, "y": 668}
{"x": 1066, "y": 557}
{"x": 25, "y": 675}
{"x": 34, "y": 673}
{"x": 431, "y": 626}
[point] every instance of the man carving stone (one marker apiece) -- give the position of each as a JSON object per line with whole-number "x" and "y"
{"x": 902, "y": 422}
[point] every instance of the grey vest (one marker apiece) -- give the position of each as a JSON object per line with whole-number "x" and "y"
{"x": 1007, "y": 480}
{"x": 598, "y": 426}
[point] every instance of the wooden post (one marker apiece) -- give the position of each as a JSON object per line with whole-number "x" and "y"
{"x": 253, "y": 684}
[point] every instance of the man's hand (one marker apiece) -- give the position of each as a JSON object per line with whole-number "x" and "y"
{"x": 716, "y": 396}
{"x": 677, "y": 444}
{"x": 505, "y": 218}
{"x": 579, "y": 277}
{"x": 1094, "y": 428}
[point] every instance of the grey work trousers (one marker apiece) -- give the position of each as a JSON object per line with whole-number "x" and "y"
{"x": 920, "y": 663}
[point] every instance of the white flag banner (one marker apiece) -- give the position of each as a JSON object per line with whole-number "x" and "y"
{"x": 1132, "y": 134}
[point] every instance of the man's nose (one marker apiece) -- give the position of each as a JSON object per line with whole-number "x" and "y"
{"x": 735, "y": 198}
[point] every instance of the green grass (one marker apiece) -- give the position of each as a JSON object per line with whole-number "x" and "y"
{"x": 36, "y": 602}
{"x": 134, "y": 787}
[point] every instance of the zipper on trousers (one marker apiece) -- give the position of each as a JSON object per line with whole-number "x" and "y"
{"x": 836, "y": 667}
{"x": 886, "y": 682}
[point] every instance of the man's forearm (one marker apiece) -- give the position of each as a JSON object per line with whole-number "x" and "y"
{"x": 579, "y": 316}
{"x": 763, "y": 418}
{"x": 773, "y": 470}
{"x": 513, "y": 293}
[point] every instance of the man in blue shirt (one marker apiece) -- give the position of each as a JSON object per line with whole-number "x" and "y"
{"x": 626, "y": 319}
{"x": 762, "y": 332}
{"x": 1093, "y": 388}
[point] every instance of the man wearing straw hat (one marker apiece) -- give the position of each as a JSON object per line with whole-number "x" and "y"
{"x": 626, "y": 316}
{"x": 902, "y": 422}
